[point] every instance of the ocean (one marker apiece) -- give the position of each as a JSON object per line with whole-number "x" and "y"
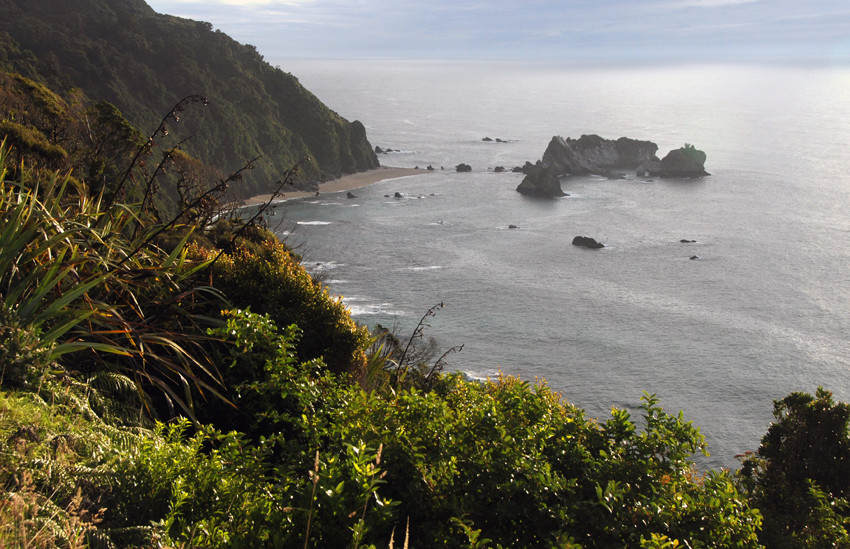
{"x": 762, "y": 312}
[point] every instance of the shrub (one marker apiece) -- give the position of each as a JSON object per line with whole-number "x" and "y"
{"x": 511, "y": 462}
{"x": 800, "y": 476}
{"x": 270, "y": 280}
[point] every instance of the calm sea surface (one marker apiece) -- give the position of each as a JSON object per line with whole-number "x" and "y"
{"x": 764, "y": 311}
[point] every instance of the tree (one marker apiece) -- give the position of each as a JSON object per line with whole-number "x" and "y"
{"x": 800, "y": 476}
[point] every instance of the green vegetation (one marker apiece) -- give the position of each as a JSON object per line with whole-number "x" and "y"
{"x": 171, "y": 376}
{"x": 800, "y": 477}
{"x": 125, "y": 53}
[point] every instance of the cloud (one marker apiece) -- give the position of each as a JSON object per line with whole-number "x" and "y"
{"x": 716, "y": 3}
{"x": 517, "y": 28}
{"x": 244, "y": 3}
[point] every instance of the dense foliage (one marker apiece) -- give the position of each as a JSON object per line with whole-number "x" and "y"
{"x": 800, "y": 476}
{"x": 125, "y": 53}
{"x": 269, "y": 278}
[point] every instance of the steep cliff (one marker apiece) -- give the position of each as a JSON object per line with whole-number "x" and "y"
{"x": 144, "y": 63}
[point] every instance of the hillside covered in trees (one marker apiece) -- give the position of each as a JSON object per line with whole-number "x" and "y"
{"x": 123, "y": 52}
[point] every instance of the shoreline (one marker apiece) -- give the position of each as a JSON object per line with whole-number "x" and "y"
{"x": 345, "y": 183}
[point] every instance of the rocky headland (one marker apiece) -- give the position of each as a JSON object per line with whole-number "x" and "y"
{"x": 594, "y": 155}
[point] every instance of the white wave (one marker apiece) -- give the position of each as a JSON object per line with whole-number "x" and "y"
{"x": 326, "y": 265}
{"x": 476, "y": 376}
{"x": 367, "y": 309}
{"x": 314, "y": 222}
{"x": 429, "y": 268}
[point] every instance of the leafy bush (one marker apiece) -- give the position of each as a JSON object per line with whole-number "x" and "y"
{"x": 271, "y": 280}
{"x": 800, "y": 476}
{"x": 510, "y": 461}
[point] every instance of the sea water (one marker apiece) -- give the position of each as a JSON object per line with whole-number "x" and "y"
{"x": 762, "y": 311}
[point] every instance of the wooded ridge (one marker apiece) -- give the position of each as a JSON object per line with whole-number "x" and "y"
{"x": 144, "y": 62}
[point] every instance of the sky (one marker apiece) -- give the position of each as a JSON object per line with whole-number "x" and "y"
{"x": 580, "y": 31}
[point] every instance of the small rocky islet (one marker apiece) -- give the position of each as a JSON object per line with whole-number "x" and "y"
{"x": 594, "y": 155}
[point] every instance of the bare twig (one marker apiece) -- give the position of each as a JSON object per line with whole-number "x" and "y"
{"x": 418, "y": 332}
{"x": 162, "y": 129}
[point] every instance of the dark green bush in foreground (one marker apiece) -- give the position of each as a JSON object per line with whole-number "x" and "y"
{"x": 800, "y": 476}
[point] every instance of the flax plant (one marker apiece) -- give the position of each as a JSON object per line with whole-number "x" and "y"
{"x": 81, "y": 279}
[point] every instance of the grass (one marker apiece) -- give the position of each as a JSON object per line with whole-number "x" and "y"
{"x": 42, "y": 439}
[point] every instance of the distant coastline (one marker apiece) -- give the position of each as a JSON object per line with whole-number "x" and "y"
{"x": 344, "y": 183}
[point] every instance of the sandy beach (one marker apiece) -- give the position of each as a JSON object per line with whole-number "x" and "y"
{"x": 344, "y": 183}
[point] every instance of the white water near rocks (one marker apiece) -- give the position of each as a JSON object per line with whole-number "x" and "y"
{"x": 764, "y": 311}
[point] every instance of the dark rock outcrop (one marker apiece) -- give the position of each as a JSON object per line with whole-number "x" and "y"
{"x": 685, "y": 162}
{"x": 587, "y": 242}
{"x": 541, "y": 181}
{"x": 591, "y": 154}
{"x": 499, "y": 169}
{"x": 463, "y": 167}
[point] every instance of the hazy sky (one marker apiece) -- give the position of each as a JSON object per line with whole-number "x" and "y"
{"x": 574, "y": 30}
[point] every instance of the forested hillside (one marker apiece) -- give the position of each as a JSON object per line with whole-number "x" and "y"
{"x": 123, "y": 52}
